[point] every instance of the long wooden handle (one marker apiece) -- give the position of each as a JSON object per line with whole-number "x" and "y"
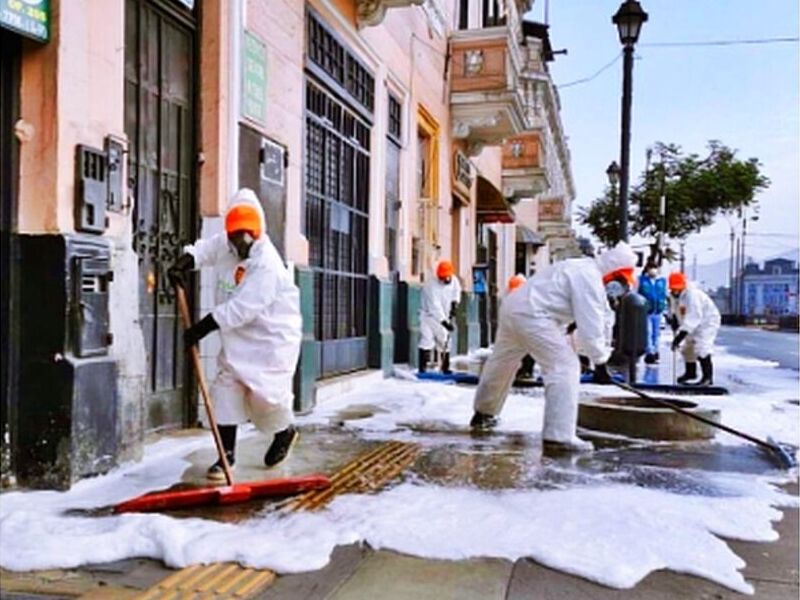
{"x": 183, "y": 307}
{"x": 674, "y": 367}
{"x": 694, "y": 416}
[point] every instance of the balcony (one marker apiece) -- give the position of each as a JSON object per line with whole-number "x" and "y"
{"x": 370, "y": 13}
{"x": 524, "y": 173}
{"x": 486, "y": 97}
{"x": 554, "y": 218}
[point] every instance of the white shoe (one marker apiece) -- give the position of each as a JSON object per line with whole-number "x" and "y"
{"x": 573, "y": 445}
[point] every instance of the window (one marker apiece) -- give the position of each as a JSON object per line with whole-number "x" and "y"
{"x": 493, "y": 14}
{"x": 392, "y": 209}
{"x": 463, "y": 14}
{"x": 329, "y": 55}
{"x": 395, "y": 118}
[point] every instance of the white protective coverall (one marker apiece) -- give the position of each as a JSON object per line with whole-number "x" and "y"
{"x": 260, "y": 327}
{"x": 533, "y": 321}
{"x": 699, "y": 317}
{"x": 437, "y": 298}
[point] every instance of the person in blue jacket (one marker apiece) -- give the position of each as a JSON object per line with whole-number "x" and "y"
{"x": 654, "y": 289}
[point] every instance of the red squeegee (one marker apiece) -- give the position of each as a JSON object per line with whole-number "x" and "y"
{"x": 232, "y": 493}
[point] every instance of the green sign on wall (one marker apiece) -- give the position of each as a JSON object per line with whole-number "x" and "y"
{"x": 254, "y": 78}
{"x": 31, "y": 18}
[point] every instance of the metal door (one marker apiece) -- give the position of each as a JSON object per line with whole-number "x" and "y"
{"x": 337, "y": 195}
{"x": 392, "y": 218}
{"x": 159, "y": 122}
{"x": 9, "y": 173}
{"x": 262, "y": 169}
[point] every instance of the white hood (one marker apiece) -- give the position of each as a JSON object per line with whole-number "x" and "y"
{"x": 619, "y": 257}
{"x": 246, "y": 196}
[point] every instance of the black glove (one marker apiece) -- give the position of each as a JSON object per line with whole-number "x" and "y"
{"x": 177, "y": 272}
{"x": 673, "y": 322}
{"x": 199, "y": 330}
{"x": 447, "y": 325}
{"x": 678, "y": 339}
{"x": 601, "y": 374}
{"x": 571, "y": 327}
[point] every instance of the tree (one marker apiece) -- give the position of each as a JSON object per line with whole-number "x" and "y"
{"x": 696, "y": 190}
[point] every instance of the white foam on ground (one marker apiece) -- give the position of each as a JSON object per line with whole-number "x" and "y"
{"x": 611, "y": 533}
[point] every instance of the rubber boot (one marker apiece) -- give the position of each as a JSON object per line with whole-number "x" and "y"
{"x": 446, "y": 363}
{"x": 691, "y": 373}
{"x": 708, "y": 371}
{"x": 227, "y": 434}
{"x": 526, "y": 368}
{"x": 281, "y": 444}
{"x": 423, "y": 358}
{"x": 481, "y": 422}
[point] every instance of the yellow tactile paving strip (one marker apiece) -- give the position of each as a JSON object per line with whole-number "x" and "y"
{"x": 207, "y": 582}
{"x": 366, "y": 473}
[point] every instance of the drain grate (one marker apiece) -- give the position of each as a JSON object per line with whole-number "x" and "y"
{"x": 366, "y": 473}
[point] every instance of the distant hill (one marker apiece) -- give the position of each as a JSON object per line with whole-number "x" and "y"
{"x": 714, "y": 275}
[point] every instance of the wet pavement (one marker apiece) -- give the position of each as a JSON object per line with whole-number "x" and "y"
{"x": 452, "y": 456}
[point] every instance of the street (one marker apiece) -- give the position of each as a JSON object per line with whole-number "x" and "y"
{"x": 779, "y": 346}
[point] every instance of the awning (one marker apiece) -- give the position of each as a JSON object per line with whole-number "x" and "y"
{"x": 492, "y": 207}
{"x": 528, "y": 236}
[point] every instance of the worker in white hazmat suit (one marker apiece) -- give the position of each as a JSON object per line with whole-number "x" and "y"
{"x": 695, "y": 320}
{"x": 534, "y": 320}
{"x": 440, "y": 297}
{"x": 258, "y": 317}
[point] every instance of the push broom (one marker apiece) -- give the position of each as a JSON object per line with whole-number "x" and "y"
{"x": 231, "y": 493}
{"x": 780, "y": 453}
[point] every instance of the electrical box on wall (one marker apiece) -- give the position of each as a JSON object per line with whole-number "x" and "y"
{"x": 115, "y": 153}
{"x": 91, "y": 189}
{"x": 67, "y": 399}
{"x": 99, "y": 186}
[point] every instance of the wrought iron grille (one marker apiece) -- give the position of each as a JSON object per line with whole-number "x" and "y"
{"x": 337, "y": 217}
{"x": 159, "y": 123}
{"x": 326, "y": 52}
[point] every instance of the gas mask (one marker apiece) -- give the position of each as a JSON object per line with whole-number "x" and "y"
{"x": 615, "y": 290}
{"x": 240, "y": 243}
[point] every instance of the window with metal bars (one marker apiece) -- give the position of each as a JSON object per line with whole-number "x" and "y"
{"x": 337, "y": 163}
{"x": 326, "y": 52}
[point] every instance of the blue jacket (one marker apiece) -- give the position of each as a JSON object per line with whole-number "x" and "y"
{"x": 655, "y": 292}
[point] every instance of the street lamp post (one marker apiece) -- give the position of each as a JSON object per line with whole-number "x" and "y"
{"x": 628, "y": 19}
{"x": 742, "y": 304}
{"x": 612, "y": 172}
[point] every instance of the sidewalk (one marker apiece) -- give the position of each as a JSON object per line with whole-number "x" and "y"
{"x": 451, "y": 459}
{"x": 358, "y": 572}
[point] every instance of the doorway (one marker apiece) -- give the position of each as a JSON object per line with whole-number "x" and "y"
{"x": 160, "y": 124}
{"x": 9, "y": 173}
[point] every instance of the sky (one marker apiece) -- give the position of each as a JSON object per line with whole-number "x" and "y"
{"x": 747, "y": 96}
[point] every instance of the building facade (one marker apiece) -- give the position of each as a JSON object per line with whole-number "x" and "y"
{"x": 770, "y": 291}
{"x": 380, "y": 137}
